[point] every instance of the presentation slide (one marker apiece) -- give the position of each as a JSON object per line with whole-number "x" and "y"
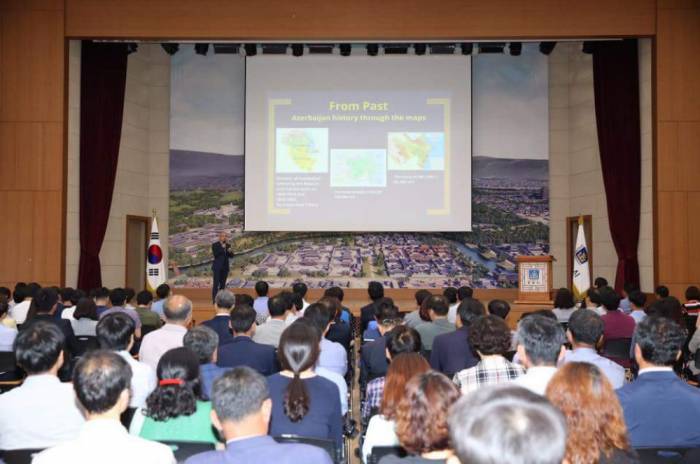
{"x": 358, "y": 143}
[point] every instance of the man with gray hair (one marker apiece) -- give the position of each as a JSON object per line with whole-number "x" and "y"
{"x": 241, "y": 413}
{"x": 203, "y": 342}
{"x": 177, "y": 311}
{"x": 221, "y": 322}
{"x": 540, "y": 345}
{"x": 505, "y": 423}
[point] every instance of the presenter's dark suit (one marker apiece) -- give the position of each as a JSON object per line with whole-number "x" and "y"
{"x": 451, "y": 352}
{"x": 243, "y": 351}
{"x": 262, "y": 449}
{"x": 220, "y": 267}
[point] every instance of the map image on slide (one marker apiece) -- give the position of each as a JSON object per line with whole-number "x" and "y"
{"x": 301, "y": 150}
{"x": 416, "y": 151}
{"x": 358, "y": 168}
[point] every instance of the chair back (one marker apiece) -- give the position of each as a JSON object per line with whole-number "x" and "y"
{"x": 328, "y": 445}
{"x": 86, "y": 343}
{"x": 186, "y": 449}
{"x": 379, "y": 452}
{"x": 19, "y": 456}
{"x": 668, "y": 455}
{"x": 617, "y": 348}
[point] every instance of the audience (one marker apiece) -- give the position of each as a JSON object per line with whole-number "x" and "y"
{"x": 260, "y": 302}
{"x": 421, "y": 419}
{"x": 692, "y": 301}
{"x": 42, "y": 411}
{"x": 243, "y": 299}
{"x": 101, "y": 382}
{"x": 616, "y": 324}
{"x": 332, "y": 356}
{"x": 241, "y": 413}
{"x": 464, "y": 292}
{"x": 303, "y": 403}
{"x": 595, "y": 424}
{"x": 242, "y": 350}
{"x": 450, "y": 294}
{"x": 585, "y": 332}
{"x": 499, "y": 308}
{"x": 373, "y": 355}
{"x": 600, "y": 282}
{"x": 23, "y": 296}
{"x": 540, "y": 345}
{"x": 373, "y": 331}
{"x": 270, "y": 331}
{"x": 149, "y": 318}
{"x": 118, "y": 299}
{"x": 177, "y": 311}
{"x": 381, "y": 427}
{"x": 438, "y": 325}
{"x": 627, "y": 288}
{"x": 8, "y": 330}
{"x": 337, "y": 292}
{"x": 175, "y": 410}
{"x": 83, "y": 317}
{"x": 300, "y": 288}
{"x": 660, "y": 408}
{"x": 43, "y": 308}
{"x": 101, "y": 297}
{"x": 593, "y": 301}
{"x": 130, "y": 296}
{"x": 564, "y": 304}
{"x": 507, "y": 424}
{"x": 637, "y": 302}
{"x": 413, "y": 318}
{"x": 162, "y": 294}
{"x": 693, "y": 347}
{"x": 66, "y": 296}
{"x": 451, "y": 351}
{"x": 203, "y": 342}
{"x": 339, "y": 331}
{"x": 662, "y": 291}
{"x": 491, "y": 340}
{"x": 375, "y": 290}
{"x": 224, "y": 301}
{"x": 115, "y": 332}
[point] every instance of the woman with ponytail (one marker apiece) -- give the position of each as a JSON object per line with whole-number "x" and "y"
{"x": 174, "y": 411}
{"x": 303, "y": 403}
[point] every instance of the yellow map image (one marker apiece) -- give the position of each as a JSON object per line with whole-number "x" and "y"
{"x": 301, "y": 150}
{"x": 416, "y": 151}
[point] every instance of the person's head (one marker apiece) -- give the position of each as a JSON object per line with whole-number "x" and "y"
{"x": 243, "y": 299}
{"x": 178, "y": 310}
{"x": 130, "y": 295}
{"x": 116, "y": 332}
{"x": 203, "y": 342}
{"x": 4, "y": 306}
{"x": 450, "y": 293}
{"x": 298, "y": 352}
{"x": 585, "y": 328}
{"x": 223, "y": 236}
{"x": 20, "y": 292}
{"x": 320, "y": 316}
{"x": 658, "y": 341}
{"x": 241, "y": 405}
{"x": 609, "y": 299}
{"x": 386, "y": 314}
{"x": 402, "y": 369}
{"x": 66, "y": 295}
{"x": 593, "y": 299}
{"x": 333, "y": 305}
{"x": 178, "y": 386}
{"x": 86, "y": 309}
{"x": 101, "y": 381}
{"x": 39, "y": 348}
{"x": 464, "y": 292}
{"x": 278, "y": 306}
{"x": 469, "y": 310}
{"x": 421, "y": 296}
{"x": 43, "y": 302}
{"x": 637, "y": 299}
{"x": 297, "y": 301}
{"x": 224, "y": 301}
{"x": 375, "y": 290}
{"x": 668, "y": 307}
{"x": 564, "y": 299}
{"x": 117, "y": 297}
{"x": 595, "y": 423}
{"x": 163, "y": 291}
{"x": 402, "y": 339}
{"x": 261, "y": 288}
{"x": 288, "y": 298}
{"x": 421, "y": 415}
{"x": 490, "y": 335}
{"x": 437, "y": 307}
{"x": 540, "y": 341}
{"x": 506, "y": 423}
{"x": 300, "y": 289}
{"x": 662, "y": 291}
{"x": 335, "y": 292}
{"x": 600, "y": 282}
{"x": 628, "y": 288}
{"x": 144, "y": 298}
{"x": 692, "y": 293}
{"x": 243, "y": 321}
{"x": 101, "y": 296}
{"x": 499, "y": 308}
{"x": 32, "y": 289}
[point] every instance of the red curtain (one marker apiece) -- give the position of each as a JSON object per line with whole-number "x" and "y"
{"x": 616, "y": 87}
{"x": 102, "y": 85}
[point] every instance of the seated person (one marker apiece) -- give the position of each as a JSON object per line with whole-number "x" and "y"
{"x": 42, "y": 412}
{"x": 115, "y": 332}
{"x": 373, "y": 332}
{"x": 627, "y": 288}
{"x": 506, "y": 423}
{"x": 438, "y": 325}
{"x": 451, "y": 351}
{"x": 203, "y": 342}
{"x": 373, "y": 362}
{"x": 450, "y": 294}
{"x": 616, "y": 324}
{"x": 83, "y": 317}
{"x": 303, "y": 403}
{"x": 339, "y": 331}
{"x": 375, "y": 290}
{"x": 490, "y": 338}
{"x": 43, "y": 308}
{"x": 242, "y": 350}
{"x": 593, "y": 301}
{"x": 564, "y": 305}
{"x": 162, "y": 294}
{"x": 333, "y": 356}
{"x": 499, "y": 308}
{"x": 692, "y": 301}
{"x": 414, "y": 318}
{"x": 337, "y": 292}
{"x": 260, "y": 303}
{"x": 269, "y": 332}
{"x": 661, "y": 410}
{"x": 693, "y": 347}
{"x": 381, "y": 427}
{"x": 242, "y": 410}
{"x": 8, "y": 331}
{"x": 637, "y": 301}
{"x": 177, "y": 312}
{"x": 540, "y": 342}
{"x": 175, "y": 410}
{"x": 148, "y": 318}
{"x": 300, "y": 288}
{"x": 118, "y": 299}
{"x": 662, "y": 292}
{"x": 421, "y": 419}
{"x": 101, "y": 381}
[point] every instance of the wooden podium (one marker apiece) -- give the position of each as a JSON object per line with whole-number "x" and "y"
{"x": 534, "y": 280}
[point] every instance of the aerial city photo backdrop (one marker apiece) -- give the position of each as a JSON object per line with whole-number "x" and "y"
{"x": 510, "y": 189}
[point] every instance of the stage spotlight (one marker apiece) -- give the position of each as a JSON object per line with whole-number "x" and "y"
{"x": 442, "y": 48}
{"x": 250, "y": 49}
{"x": 467, "y": 48}
{"x": 201, "y": 49}
{"x": 395, "y": 49}
{"x": 547, "y": 47}
{"x": 170, "y": 48}
{"x": 227, "y": 48}
{"x": 321, "y": 49}
{"x": 515, "y": 48}
{"x": 588, "y": 47}
{"x": 297, "y": 49}
{"x": 274, "y": 49}
{"x": 491, "y": 47}
{"x": 420, "y": 49}
{"x": 131, "y": 48}
{"x": 345, "y": 49}
{"x": 372, "y": 49}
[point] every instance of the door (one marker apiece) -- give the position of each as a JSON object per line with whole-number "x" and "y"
{"x": 136, "y": 246}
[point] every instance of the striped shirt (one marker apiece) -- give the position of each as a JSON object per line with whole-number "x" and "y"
{"x": 489, "y": 371}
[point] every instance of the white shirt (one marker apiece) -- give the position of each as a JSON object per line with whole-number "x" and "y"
{"x": 563, "y": 314}
{"x": 380, "y": 432}
{"x": 143, "y": 379}
{"x": 7, "y": 338}
{"x": 536, "y": 378}
{"x": 638, "y": 315}
{"x": 83, "y": 327}
{"x": 40, "y": 413}
{"x": 19, "y": 311}
{"x": 106, "y": 441}
{"x": 339, "y": 381}
{"x": 452, "y": 313}
{"x": 156, "y": 343}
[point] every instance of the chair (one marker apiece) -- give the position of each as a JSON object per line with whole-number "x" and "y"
{"x": 618, "y": 350}
{"x": 185, "y": 449}
{"x": 86, "y": 343}
{"x": 328, "y": 445}
{"x": 11, "y": 374}
{"x": 379, "y": 452}
{"x": 19, "y": 456}
{"x": 668, "y": 455}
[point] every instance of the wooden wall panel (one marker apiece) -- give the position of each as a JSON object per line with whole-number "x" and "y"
{"x": 673, "y": 230}
{"x": 358, "y": 19}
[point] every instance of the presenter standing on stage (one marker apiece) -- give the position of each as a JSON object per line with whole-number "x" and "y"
{"x": 220, "y": 267}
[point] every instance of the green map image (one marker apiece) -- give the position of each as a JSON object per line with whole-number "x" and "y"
{"x": 301, "y": 150}
{"x": 416, "y": 151}
{"x": 358, "y": 168}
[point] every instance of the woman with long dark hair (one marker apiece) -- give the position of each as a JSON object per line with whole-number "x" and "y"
{"x": 83, "y": 317}
{"x": 303, "y": 403}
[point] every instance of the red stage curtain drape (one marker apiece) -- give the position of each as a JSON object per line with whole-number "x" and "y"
{"x": 102, "y": 85}
{"x": 616, "y": 87}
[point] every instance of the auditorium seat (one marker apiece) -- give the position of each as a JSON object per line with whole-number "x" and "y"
{"x": 85, "y": 343}
{"x": 184, "y": 449}
{"x": 337, "y": 456}
{"x": 667, "y": 455}
{"x": 20, "y": 456}
{"x": 379, "y": 452}
{"x": 618, "y": 350}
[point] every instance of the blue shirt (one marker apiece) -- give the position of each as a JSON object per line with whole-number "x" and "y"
{"x": 261, "y": 449}
{"x": 612, "y": 370}
{"x": 260, "y": 306}
{"x": 157, "y": 307}
{"x": 333, "y": 357}
{"x": 7, "y": 338}
{"x": 207, "y": 374}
